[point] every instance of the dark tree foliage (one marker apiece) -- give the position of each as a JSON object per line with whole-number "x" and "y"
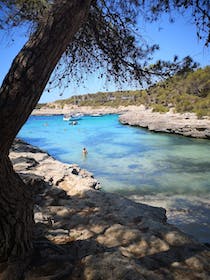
{"x": 110, "y": 43}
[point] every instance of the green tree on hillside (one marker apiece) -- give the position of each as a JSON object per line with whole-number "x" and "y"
{"x": 186, "y": 92}
{"x": 198, "y": 83}
{"x": 82, "y": 34}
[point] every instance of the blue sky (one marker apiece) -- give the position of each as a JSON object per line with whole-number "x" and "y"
{"x": 178, "y": 38}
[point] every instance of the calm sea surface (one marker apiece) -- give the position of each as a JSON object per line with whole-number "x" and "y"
{"x": 125, "y": 159}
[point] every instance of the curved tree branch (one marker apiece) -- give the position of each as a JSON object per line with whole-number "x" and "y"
{"x": 31, "y": 69}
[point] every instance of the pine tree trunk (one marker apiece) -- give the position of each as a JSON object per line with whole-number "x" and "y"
{"x": 19, "y": 94}
{"x": 16, "y": 220}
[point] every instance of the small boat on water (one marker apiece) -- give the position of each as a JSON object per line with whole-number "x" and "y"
{"x": 66, "y": 117}
{"x": 96, "y": 115}
{"x": 73, "y": 123}
{"x": 76, "y": 117}
{"x": 73, "y": 117}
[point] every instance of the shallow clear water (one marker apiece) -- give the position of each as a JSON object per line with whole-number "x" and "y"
{"x": 125, "y": 159}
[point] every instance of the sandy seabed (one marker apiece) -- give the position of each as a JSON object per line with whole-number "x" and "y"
{"x": 189, "y": 213}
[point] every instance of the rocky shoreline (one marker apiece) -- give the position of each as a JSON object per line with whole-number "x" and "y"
{"x": 183, "y": 124}
{"x": 84, "y": 233}
{"x": 86, "y": 110}
{"x": 186, "y": 124}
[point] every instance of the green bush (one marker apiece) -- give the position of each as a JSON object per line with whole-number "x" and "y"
{"x": 186, "y": 93}
{"x": 159, "y": 108}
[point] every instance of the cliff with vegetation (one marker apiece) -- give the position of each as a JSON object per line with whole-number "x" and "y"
{"x": 185, "y": 92}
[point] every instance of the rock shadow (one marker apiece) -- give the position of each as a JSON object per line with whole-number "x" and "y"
{"x": 96, "y": 235}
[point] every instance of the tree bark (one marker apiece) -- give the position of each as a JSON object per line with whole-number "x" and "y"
{"x": 31, "y": 69}
{"x": 19, "y": 94}
{"x": 16, "y": 221}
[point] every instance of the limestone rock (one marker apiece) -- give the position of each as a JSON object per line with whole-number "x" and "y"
{"x": 185, "y": 124}
{"x": 83, "y": 233}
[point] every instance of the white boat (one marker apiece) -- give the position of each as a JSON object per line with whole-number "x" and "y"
{"x": 76, "y": 117}
{"x": 66, "y": 117}
{"x": 96, "y": 115}
{"x": 73, "y": 117}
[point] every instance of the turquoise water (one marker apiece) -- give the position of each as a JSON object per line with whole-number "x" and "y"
{"x": 125, "y": 159}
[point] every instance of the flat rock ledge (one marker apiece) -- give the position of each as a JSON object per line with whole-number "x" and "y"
{"x": 85, "y": 233}
{"x": 186, "y": 124}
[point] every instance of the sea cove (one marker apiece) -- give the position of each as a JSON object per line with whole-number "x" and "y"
{"x": 132, "y": 161}
{"x": 125, "y": 159}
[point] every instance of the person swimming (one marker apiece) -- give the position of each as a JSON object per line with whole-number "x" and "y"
{"x": 84, "y": 151}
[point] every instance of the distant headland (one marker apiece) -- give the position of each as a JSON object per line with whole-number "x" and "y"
{"x": 180, "y": 105}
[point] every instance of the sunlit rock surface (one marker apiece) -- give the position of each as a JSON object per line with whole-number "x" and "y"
{"x": 84, "y": 233}
{"x": 184, "y": 124}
